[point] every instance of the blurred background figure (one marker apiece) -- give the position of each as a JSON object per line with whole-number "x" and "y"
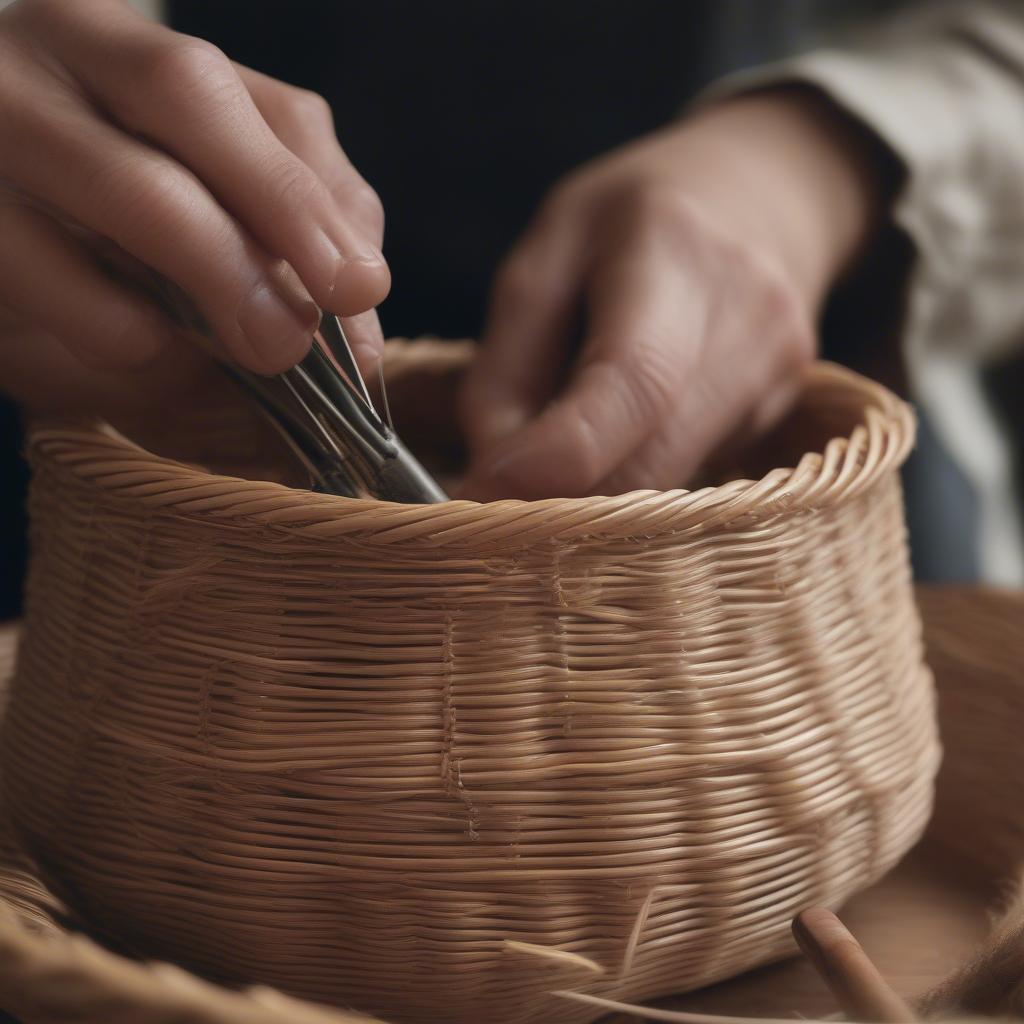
{"x": 649, "y": 263}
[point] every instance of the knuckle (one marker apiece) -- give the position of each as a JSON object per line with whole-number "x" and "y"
{"x": 661, "y": 204}
{"x": 139, "y": 206}
{"x": 293, "y": 185}
{"x": 368, "y": 204}
{"x": 647, "y": 384}
{"x": 356, "y": 198}
{"x": 307, "y": 105}
{"x": 640, "y": 391}
{"x": 655, "y": 465}
{"x": 662, "y": 214}
{"x": 179, "y": 69}
{"x": 369, "y": 200}
{"x": 567, "y": 196}
{"x": 112, "y": 343}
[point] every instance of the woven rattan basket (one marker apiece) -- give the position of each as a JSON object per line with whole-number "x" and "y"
{"x": 921, "y": 923}
{"x": 434, "y": 762}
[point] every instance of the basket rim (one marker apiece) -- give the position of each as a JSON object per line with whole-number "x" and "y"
{"x": 97, "y": 458}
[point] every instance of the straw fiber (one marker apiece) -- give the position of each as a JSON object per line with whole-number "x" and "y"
{"x": 435, "y": 762}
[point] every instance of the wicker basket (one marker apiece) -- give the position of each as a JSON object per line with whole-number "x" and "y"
{"x": 434, "y": 762}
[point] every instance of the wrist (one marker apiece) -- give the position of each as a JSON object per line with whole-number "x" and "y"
{"x": 805, "y": 181}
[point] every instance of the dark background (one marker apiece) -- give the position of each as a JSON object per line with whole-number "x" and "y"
{"x": 462, "y": 114}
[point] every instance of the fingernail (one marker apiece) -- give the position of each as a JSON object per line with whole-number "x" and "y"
{"x": 328, "y": 256}
{"x": 279, "y": 332}
{"x": 338, "y": 253}
{"x": 371, "y": 255}
{"x": 355, "y": 279}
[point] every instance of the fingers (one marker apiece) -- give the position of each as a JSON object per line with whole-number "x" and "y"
{"x": 707, "y": 417}
{"x": 163, "y": 216}
{"x": 534, "y": 309}
{"x": 748, "y": 376}
{"x": 642, "y": 316}
{"x": 302, "y": 123}
{"x": 48, "y": 278}
{"x": 190, "y": 180}
{"x": 187, "y": 99}
{"x": 45, "y": 377}
{"x": 302, "y": 120}
{"x": 689, "y": 335}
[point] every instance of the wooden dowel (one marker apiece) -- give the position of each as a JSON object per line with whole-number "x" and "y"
{"x": 861, "y": 991}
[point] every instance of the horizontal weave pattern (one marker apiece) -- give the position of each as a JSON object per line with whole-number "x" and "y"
{"x": 386, "y": 756}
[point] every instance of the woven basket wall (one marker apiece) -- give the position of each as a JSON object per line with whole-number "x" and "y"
{"x": 387, "y": 756}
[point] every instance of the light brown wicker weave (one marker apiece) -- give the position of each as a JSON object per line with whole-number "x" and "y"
{"x": 920, "y": 922}
{"x": 387, "y": 756}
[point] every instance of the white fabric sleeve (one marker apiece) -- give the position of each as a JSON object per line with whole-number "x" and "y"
{"x": 943, "y": 88}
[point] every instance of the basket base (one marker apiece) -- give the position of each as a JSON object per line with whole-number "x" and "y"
{"x": 918, "y": 924}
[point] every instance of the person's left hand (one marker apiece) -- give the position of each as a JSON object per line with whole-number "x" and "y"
{"x": 694, "y": 261}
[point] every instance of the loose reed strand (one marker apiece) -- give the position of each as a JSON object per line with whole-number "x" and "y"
{"x": 555, "y": 957}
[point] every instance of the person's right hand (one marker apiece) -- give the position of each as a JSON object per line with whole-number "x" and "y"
{"x": 693, "y": 263}
{"x": 230, "y": 184}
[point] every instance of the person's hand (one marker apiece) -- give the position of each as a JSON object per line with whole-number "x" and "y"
{"x": 692, "y": 264}
{"x": 230, "y": 184}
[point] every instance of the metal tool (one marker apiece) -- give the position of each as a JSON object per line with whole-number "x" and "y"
{"x": 324, "y": 414}
{"x": 329, "y": 422}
